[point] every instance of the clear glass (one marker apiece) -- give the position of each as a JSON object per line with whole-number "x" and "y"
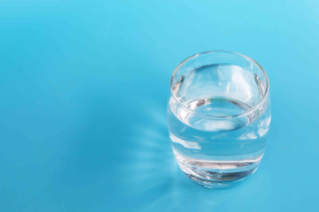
{"x": 219, "y": 117}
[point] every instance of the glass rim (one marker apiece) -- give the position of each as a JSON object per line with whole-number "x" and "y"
{"x": 250, "y": 110}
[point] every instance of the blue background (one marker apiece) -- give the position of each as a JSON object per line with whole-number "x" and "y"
{"x": 84, "y": 87}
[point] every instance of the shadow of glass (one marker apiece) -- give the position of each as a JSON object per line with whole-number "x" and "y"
{"x": 124, "y": 161}
{"x": 153, "y": 179}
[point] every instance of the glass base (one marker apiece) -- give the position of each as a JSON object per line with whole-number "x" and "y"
{"x": 215, "y": 184}
{"x": 217, "y": 174}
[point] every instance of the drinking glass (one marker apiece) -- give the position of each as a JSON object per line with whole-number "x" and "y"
{"x": 219, "y": 117}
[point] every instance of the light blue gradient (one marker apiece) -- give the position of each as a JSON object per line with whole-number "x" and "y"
{"x": 84, "y": 87}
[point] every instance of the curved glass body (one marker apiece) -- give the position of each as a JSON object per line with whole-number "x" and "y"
{"x": 218, "y": 117}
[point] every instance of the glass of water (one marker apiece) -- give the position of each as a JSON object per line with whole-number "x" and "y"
{"x": 219, "y": 117}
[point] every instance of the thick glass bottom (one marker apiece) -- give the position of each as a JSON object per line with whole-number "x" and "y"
{"x": 217, "y": 174}
{"x": 216, "y": 184}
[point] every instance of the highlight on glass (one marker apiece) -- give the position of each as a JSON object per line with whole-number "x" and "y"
{"x": 218, "y": 117}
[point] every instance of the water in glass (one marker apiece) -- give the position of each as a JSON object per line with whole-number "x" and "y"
{"x": 218, "y": 136}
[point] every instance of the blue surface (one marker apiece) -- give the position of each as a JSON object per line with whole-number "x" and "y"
{"x": 84, "y": 87}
